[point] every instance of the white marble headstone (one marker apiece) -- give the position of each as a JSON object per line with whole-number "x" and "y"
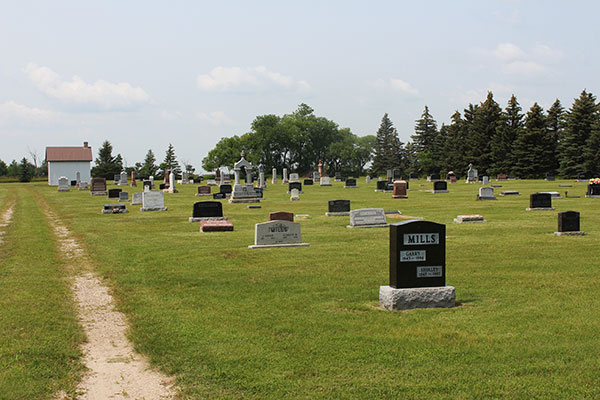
{"x": 63, "y": 184}
{"x": 325, "y": 181}
{"x": 295, "y": 195}
{"x": 294, "y": 177}
{"x": 136, "y": 198}
{"x": 153, "y": 201}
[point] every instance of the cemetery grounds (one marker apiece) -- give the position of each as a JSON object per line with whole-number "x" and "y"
{"x": 305, "y": 323}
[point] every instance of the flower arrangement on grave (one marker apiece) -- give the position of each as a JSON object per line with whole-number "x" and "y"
{"x": 594, "y": 181}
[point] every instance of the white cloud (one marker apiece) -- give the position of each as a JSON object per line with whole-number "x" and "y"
{"x": 11, "y": 112}
{"x": 171, "y": 116}
{"x": 508, "y": 51}
{"x": 215, "y": 118}
{"x": 224, "y": 79}
{"x": 547, "y": 53}
{"x": 100, "y": 95}
{"x": 403, "y": 86}
{"x": 528, "y": 68}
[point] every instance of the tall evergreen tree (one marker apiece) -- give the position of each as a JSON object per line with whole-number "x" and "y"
{"x": 387, "y": 148}
{"x": 427, "y": 142}
{"x": 26, "y": 170}
{"x": 3, "y": 168}
{"x": 170, "y": 161}
{"x": 555, "y": 118}
{"x": 578, "y": 127}
{"x": 107, "y": 166}
{"x": 486, "y": 120}
{"x": 591, "y": 151}
{"x": 455, "y": 137}
{"x": 509, "y": 129}
{"x": 149, "y": 166}
{"x": 531, "y": 146}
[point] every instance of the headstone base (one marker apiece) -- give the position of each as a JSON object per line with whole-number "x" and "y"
{"x": 368, "y": 226}
{"x": 153, "y": 209}
{"x": 121, "y": 211}
{"x": 486, "y": 197}
{"x": 98, "y": 193}
{"x": 427, "y": 297}
{"x": 266, "y": 246}
{"x": 540, "y": 209}
{"x": 200, "y": 219}
{"x": 324, "y": 184}
{"x": 439, "y": 191}
{"x": 67, "y": 189}
{"x": 216, "y": 226}
{"x": 509, "y": 193}
{"x": 299, "y": 192}
{"x": 350, "y": 187}
{"x": 403, "y": 196}
{"x": 572, "y": 233}
{"x": 593, "y": 196}
{"x": 338, "y": 214}
{"x": 203, "y": 194}
{"x": 244, "y": 200}
{"x": 465, "y": 219}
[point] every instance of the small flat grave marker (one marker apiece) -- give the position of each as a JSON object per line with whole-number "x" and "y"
{"x": 554, "y": 195}
{"x": 368, "y": 218}
{"x": 464, "y": 219}
{"x": 114, "y": 209}
{"x": 281, "y": 216}
{"x": 216, "y": 226}
{"x": 509, "y": 193}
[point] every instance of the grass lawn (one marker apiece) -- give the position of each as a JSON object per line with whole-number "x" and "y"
{"x": 39, "y": 332}
{"x": 304, "y": 323}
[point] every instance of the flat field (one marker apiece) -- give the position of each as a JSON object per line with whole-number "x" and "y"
{"x": 305, "y": 323}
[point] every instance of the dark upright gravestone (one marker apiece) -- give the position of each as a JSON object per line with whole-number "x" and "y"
{"x": 400, "y": 190}
{"x": 308, "y": 182}
{"x": 381, "y": 186}
{"x": 162, "y": 186}
{"x": 226, "y": 189}
{"x": 338, "y": 176}
{"x": 147, "y": 183}
{"x": 440, "y": 187}
{"x": 350, "y": 183}
{"x": 434, "y": 177}
{"x": 568, "y": 222}
{"x": 113, "y": 193}
{"x": 204, "y": 210}
{"x": 294, "y": 185}
{"x": 397, "y": 174}
{"x": 338, "y": 208}
{"x": 73, "y": 183}
{"x": 593, "y": 190}
{"x": 389, "y": 187}
{"x": 540, "y": 201}
{"x": 417, "y": 254}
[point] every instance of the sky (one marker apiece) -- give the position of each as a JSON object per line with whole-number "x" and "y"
{"x": 143, "y": 74}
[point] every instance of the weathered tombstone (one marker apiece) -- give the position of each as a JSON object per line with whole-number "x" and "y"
{"x": 185, "y": 178}
{"x": 308, "y": 182}
{"x": 350, "y": 184}
{"x": 485, "y": 180}
{"x": 243, "y": 193}
{"x": 417, "y": 267}
{"x": 172, "y": 185}
{"x": 338, "y": 176}
{"x": 204, "y": 210}
{"x": 295, "y": 185}
{"x": 568, "y": 224}
{"x": 216, "y": 226}
{"x": 338, "y": 208}
{"x": 294, "y": 177}
{"x": 123, "y": 196}
{"x": 147, "y": 185}
{"x": 540, "y": 201}
{"x": 98, "y": 187}
{"x": 325, "y": 181}
{"x": 277, "y": 233}
{"x": 151, "y": 178}
{"x": 368, "y": 179}
{"x": 117, "y": 178}
{"x": 281, "y": 216}
{"x": 63, "y": 184}
{"x": 295, "y": 194}
{"x": 221, "y": 177}
{"x": 368, "y": 218}
{"x": 259, "y": 192}
{"x": 153, "y": 201}
{"x": 203, "y": 191}
{"x": 471, "y": 174}
{"x": 136, "y": 198}
{"x": 123, "y": 178}
{"x": 440, "y": 187}
{"x": 219, "y": 196}
{"x": 316, "y": 176}
{"x": 114, "y": 209}
{"x": 285, "y": 179}
{"x": 274, "y": 178}
{"x": 486, "y": 193}
{"x": 501, "y": 177}
{"x": 83, "y": 185}
{"x": 400, "y": 190}
{"x": 262, "y": 184}
{"x": 509, "y": 193}
{"x": 113, "y": 193}
{"x": 389, "y": 175}
{"x": 464, "y": 219}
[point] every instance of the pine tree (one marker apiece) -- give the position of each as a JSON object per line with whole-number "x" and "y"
{"x": 555, "y": 123}
{"x": 531, "y": 146}
{"x": 388, "y": 147}
{"x": 427, "y": 143}
{"x": 486, "y": 120}
{"x": 509, "y": 129}
{"x": 149, "y": 167}
{"x": 591, "y": 152}
{"x": 26, "y": 170}
{"x": 170, "y": 161}
{"x": 455, "y": 136}
{"x": 578, "y": 127}
{"x": 107, "y": 166}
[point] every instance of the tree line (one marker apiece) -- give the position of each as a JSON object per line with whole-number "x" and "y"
{"x": 528, "y": 145}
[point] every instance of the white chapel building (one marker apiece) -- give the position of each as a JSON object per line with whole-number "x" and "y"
{"x": 67, "y": 161}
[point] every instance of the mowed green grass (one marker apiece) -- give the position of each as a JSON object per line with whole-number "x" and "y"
{"x": 304, "y": 323}
{"x": 39, "y": 332}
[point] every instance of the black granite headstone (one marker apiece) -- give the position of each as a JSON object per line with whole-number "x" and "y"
{"x": 294, "y": 185}
{"x": 350, "y": 182}
{"x": 593, "y": 189}
{"x": 147, "y": 183}
{"x": 417, "y": 254}
{"x": 113, "y": 193}
{"x": 540, "y": 200}
{"x": 568, "y": 221}
{"x": 382, "y": 185}
{"x": 207, "y": 209}
{"x": 389, "y": 186}
{"x": 259, "y": 192}
{"x": 226, "y": 189}
{"x": 440, "y": 185}
{"x": 343, "y": 178}
{"x": 308, "y": 182}
{"x": 434, "y": 177}
{"x": 162, "y": 186}
{"x": 397, "y": 174}
{"x": 73, "y": 183}
{"x": 339, "y": 205}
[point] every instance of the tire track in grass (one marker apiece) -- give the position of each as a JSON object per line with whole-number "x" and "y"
{"x": 5, "y": 220}
{"x": 115, "y": 370}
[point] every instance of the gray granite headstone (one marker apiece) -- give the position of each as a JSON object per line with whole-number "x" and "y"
{"x": 153, "y": 201}
{"x": 277, "y": 233}
{"x": 367, "y": 218}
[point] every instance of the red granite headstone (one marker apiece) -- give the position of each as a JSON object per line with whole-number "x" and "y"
{"x": 281, "y": 216}
{"x": 399, "y": 190}
{"x": 216, "y": 226}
